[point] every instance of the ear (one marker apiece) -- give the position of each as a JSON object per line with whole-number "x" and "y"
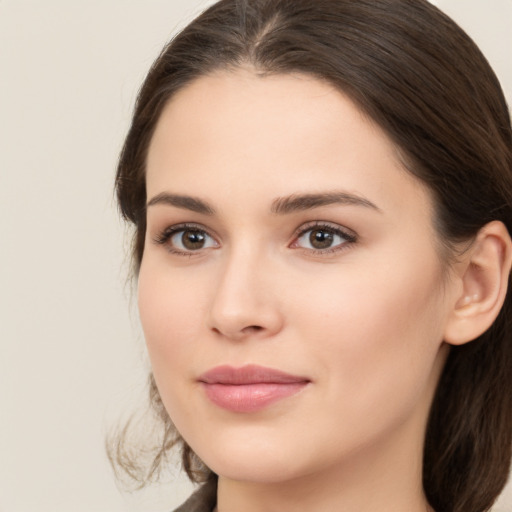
{"x": 484, "y": 275}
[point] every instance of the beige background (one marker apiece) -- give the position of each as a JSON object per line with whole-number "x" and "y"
{"x": 71, "y": 354}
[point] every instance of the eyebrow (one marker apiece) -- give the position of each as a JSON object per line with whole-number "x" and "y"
{"x": 193, "y": 204}
{"x": 280, "y": 206}
{"x": 301, "y": 202}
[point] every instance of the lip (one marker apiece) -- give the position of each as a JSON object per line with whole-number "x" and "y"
{"x": 250, "y": 388}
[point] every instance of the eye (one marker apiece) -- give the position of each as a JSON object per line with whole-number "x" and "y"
{"x": 323, "y": 238}
{"x": 185, "y": 239}
{"x": 191, "y": 240}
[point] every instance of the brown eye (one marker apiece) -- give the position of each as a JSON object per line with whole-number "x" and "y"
{"x": 193, "y": 240}
{"x": 321, "y": 239}
{"x": 189, "y": 240}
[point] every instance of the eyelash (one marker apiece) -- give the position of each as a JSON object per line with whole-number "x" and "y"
{"x": 165, "y": 236}
{"x": 350, "y": 238}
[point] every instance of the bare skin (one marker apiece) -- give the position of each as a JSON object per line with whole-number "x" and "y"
{"x": 284, "y": 232}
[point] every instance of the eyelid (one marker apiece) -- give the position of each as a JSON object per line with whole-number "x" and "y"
{"x": 164, "y": 236}
{"x": 349, "y": 235}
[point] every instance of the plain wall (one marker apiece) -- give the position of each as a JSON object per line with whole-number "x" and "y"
{"x": 71, "y": 353}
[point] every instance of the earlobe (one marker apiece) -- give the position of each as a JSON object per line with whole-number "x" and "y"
{"x": 484, "y": 277}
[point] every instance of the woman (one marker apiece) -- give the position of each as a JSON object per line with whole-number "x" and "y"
{"x": 321, "y": 195}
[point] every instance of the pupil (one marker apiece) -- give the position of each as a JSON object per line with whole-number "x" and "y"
{"x": 321, "y": 239}
{"x": 193, "y": 239}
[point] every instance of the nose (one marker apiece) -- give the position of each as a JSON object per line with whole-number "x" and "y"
{"x": 245, "y": 303}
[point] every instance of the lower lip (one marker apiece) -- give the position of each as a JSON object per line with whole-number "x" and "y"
{"x": 250, "y": 397}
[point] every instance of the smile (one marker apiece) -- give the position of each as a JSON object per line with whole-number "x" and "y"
{"x": 249, "y": 388}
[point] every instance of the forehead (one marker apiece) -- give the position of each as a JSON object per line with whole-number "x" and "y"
{"x": 245, "y": 109}
{"x": 272, "y": 134}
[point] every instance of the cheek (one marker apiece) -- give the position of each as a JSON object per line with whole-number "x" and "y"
{"x": 398, "y": 294}
{"x": 379, "y": 331}
{"x": 168, "y": 310}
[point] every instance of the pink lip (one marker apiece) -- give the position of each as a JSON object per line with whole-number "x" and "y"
{"x": 249, "y": 388}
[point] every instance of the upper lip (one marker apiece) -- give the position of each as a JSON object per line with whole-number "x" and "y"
{"x": 249, "y": 374}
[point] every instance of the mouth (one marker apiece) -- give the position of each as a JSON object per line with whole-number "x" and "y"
{"x": 250, "y": 388}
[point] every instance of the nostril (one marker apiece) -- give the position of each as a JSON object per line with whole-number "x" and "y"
{"x": 252, "y": 328}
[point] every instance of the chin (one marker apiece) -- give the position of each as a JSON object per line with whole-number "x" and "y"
{"x": 255, "y": 471}
{"x": 255, "y": 460}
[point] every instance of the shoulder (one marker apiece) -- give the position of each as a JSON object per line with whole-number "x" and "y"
{"x": 203, "y": 500}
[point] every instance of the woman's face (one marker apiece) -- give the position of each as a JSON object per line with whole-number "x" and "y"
{"x": 291, "y": 291}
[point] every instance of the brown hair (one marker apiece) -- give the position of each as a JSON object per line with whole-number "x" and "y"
{"x": 423, "y": 80}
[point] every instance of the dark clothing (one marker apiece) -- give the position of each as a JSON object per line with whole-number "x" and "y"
{"x": 203, "y": 500}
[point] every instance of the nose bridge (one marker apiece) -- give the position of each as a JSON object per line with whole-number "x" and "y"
{"x": 245, "y": 301}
